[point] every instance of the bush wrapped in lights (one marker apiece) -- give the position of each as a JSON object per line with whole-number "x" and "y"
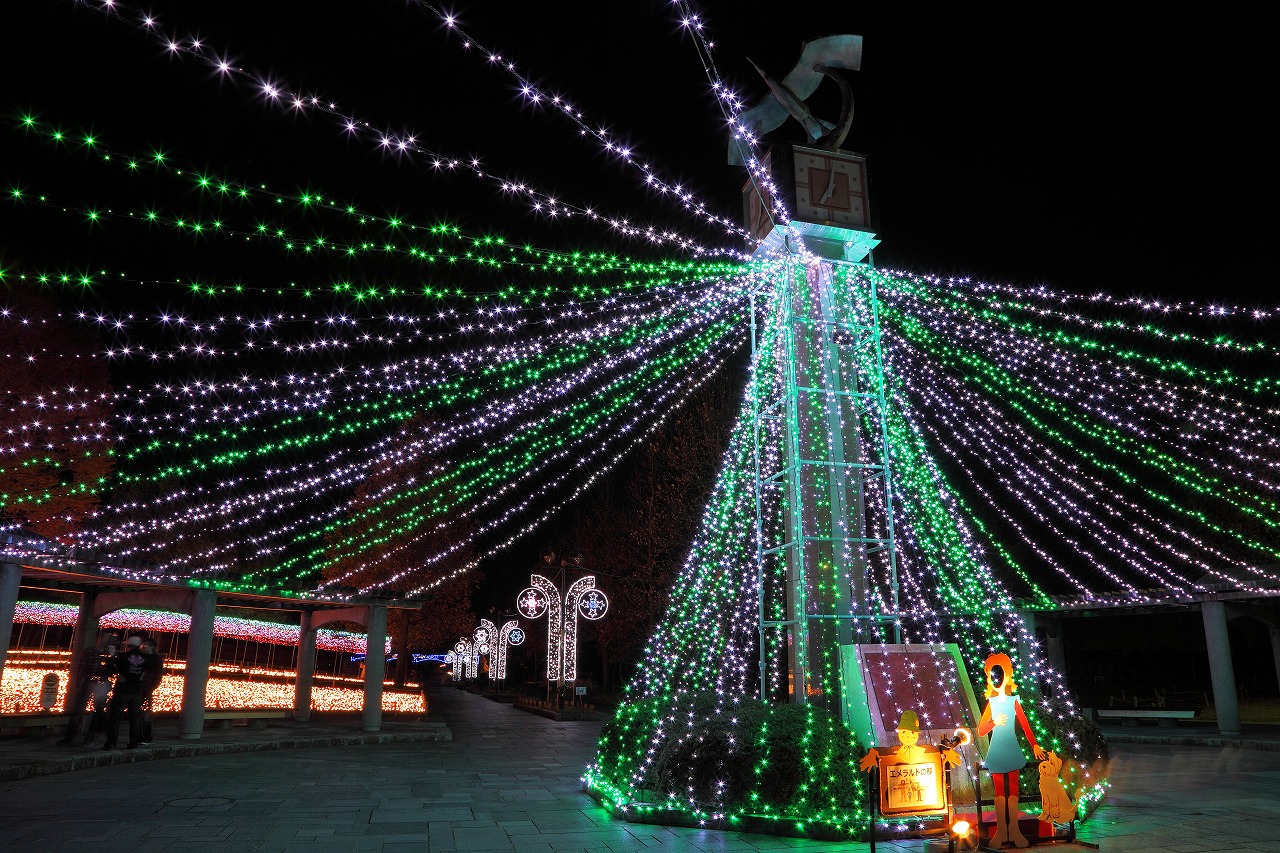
{"x": 785, "y": 762}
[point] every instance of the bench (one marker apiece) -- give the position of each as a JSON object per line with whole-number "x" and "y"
{"x": 226, "y": 718}
{"x": 1133, "y": 716}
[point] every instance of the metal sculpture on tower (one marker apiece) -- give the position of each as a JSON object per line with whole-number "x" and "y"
{"x": 824, "y": 57}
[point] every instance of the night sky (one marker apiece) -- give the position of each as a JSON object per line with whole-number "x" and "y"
{"x": 1122, "y": 152}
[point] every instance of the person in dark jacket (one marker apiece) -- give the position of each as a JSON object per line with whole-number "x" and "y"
{"x": 149, "y": 685}
{"x": 92, "y": 680}
{"x": 133, "y": 669}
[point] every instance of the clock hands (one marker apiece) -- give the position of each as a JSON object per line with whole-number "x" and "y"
{"x": 831, "y": 187}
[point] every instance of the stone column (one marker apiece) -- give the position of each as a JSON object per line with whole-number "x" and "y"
{"x": 83, "y": 641}
{"x": 375, "y": 665}
{"x": 10, "y": 581}
{"x": 306, "y": 668}
{"x": 1223, "y": 675}
{"x": 1055, "y": 644}
{"x": 1275, "y": 650}
{"x": 199, "y": 650}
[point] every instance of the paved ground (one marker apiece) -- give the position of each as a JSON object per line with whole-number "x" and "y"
{"x": 25, "y": 757}
{"x": 508, "y": 781}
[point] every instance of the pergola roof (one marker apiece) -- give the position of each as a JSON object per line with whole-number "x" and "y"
{"x": 1233, "y": 585}
{"x": 48, "y": 565}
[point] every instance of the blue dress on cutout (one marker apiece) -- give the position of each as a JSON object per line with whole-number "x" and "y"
{"x": 1004, "y": 755}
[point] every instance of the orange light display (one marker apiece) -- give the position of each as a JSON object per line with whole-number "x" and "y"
{"x": 229, "y": 687}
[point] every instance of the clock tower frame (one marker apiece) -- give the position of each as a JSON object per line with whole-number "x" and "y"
{"x": 828, "y": 567}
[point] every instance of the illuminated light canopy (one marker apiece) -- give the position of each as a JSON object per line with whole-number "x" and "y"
{"x": 534, "y": 94}
{"x": 545, "y": 204}
{"x": 335, "y": 478}
{"x": 274, "y": 220}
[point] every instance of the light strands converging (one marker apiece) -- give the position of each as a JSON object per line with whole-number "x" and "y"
{"x": 274, "y": 92}
{"x": 533, "y": 94}
{"x": 488, "y": 251}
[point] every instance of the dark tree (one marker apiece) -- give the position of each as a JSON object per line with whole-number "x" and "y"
{"x": 55, "y": 417}
{"x": 408, "y": 559}
{"x": 635, "y": 536}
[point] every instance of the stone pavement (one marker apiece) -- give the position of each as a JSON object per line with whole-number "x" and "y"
{"x": 1189, "y": 799}
{"x": 24, "y": 757}
{"x": 509, "y": 781}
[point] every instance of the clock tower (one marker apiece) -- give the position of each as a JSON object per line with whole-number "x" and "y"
{"x": 825, "y": 192}
{"x": 826, "y": 554}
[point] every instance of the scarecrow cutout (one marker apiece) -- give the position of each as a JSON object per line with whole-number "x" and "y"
{"x": 911, "y": 774}
{"x": 910, "y": 751}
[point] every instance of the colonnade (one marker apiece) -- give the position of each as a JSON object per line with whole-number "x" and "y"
{"x": 201, "y": 605}
{"x": 1215, "y": 615}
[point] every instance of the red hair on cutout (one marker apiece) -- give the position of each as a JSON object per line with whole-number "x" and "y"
{"x": 1001, "y": 660}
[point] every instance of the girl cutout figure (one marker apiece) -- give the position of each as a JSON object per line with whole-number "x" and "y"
{"x": 1004, "y": 756}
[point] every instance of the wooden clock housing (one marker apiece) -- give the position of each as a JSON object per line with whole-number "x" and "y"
{"x": 826, "y": 194}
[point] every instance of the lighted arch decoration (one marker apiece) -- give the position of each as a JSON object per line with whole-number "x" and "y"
{"x": 483, "y": 637}
{"x": 544, "y": 597}
{"x": 464, "y": 653}
{"x": 582, "y": 593}
{"x": 510, "y": 635}
{"x": 452, "y": 660}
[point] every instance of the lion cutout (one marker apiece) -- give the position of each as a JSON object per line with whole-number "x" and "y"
{"x": 1056, "y": 803}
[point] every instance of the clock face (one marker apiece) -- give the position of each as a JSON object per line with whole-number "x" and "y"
{"x": 830, "y": 189}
